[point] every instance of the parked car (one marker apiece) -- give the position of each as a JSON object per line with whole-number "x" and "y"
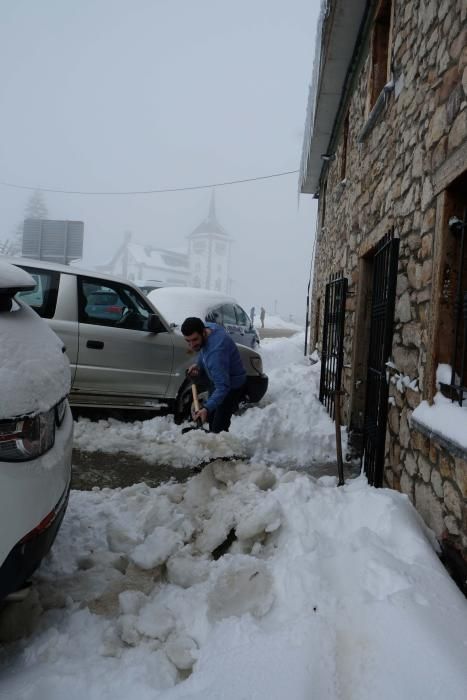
{"x": 133, "y": 360}
{"x": 176, "y": 303}
{"x": 104, "y": 303}
{"x": 35, "y": 433}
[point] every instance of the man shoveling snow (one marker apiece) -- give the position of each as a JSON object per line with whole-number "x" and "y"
{"x": 220, "y": 362}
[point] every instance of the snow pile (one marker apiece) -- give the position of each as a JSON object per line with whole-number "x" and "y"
{"x": 320, "y": 593}
{"x": 34, "y": 372}
{"x": 289, "y": 426}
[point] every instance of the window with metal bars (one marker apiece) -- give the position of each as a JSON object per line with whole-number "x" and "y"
{"x": 454, "y": 293}
{"x": 333, "y": 341}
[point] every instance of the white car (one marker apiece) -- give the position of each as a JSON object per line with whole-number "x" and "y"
{"x": 35, "y": 433}
{"x": 176, "y": 303}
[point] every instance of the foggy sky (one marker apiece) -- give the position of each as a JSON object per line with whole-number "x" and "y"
{"x": 120, "y": 95}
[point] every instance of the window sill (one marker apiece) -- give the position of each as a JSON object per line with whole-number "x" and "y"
{"x": 447, "y": 443}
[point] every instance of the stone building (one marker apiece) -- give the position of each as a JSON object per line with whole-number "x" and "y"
{"x": 385, "y": 151}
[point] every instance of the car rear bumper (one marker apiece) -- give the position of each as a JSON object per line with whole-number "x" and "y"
{"x": 28, "y": 553}
{"x": 256, "y": 387}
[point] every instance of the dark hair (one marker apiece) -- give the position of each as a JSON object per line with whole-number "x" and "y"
{"x": 192, "y": 325}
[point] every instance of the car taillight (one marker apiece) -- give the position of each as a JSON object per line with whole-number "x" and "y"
{"x": 257, "y": 364}
{"x": 28, "y": 437}
{"x": 114, "y": 309}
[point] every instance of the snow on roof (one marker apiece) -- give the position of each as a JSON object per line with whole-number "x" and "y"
{"x": 34, "y": 372}
{"x": 177, "y": 303}
{"x": 156, "y": 257}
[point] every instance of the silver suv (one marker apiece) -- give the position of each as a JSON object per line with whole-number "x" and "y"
{"x": 123, "y": 353}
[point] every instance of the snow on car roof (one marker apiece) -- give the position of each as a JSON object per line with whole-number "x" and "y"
{"x": 14, "y": 279}
{"x": 34, "y": 372}
{"x": 177, "y": 303}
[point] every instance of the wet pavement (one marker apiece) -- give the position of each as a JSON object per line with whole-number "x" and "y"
{"x": 100, "y": 469}
{"x": 121, "y": 469}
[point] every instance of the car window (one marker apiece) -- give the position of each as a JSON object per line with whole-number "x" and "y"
{"x": 228, "y": 314}
{"x": 43, "y": 298}
{"x": 215, "y": 315}
{"x": 104, "y": 303}
{"x": 242, "y": 316}
{"x": 103, "y": 298}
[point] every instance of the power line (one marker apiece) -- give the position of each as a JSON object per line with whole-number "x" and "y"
{"x": 159, "y": 191}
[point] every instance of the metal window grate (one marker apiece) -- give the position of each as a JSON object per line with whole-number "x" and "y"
{"x": 333, "y": 341}
{"x": 457, "y": 389}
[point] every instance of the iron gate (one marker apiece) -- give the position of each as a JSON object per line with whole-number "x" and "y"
{"x": 381, "y": 331}
{"x": 333, "y": 341}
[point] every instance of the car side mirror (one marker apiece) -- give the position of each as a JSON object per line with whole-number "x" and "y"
{"x": 155, "y": 325}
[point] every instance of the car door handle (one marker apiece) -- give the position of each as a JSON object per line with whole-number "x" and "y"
{"x": 95, "y": 344}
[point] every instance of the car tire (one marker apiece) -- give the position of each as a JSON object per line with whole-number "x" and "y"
{"x": 183, "y": 403}
{"x": 184, "y": 400}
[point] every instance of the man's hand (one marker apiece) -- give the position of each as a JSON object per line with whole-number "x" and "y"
{"x": 193, "y": 371}
{"x": 201, "y": 415}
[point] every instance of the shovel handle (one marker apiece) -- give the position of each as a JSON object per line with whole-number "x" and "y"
{"x": 194, "y": 391}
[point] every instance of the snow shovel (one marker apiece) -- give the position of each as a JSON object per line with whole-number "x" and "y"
{"x": 199, "y": 424}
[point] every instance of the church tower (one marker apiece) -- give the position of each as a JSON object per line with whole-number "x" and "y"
{"x": 209, "y": 253}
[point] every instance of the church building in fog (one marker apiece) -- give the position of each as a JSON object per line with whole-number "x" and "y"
{"x": 206, "y": 264}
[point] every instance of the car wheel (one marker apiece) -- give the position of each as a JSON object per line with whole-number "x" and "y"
{"x": 184, "y": 400}
{"x": 183, "y": 403}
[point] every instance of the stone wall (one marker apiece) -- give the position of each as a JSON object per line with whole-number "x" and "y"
{"x": 394, "y": 180}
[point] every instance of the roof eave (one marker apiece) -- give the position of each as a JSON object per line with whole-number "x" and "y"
{"x": 340, "y": 38}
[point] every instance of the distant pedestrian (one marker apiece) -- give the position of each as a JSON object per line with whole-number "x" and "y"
{"x": 262, "y": 316}
{"x": 252, "y": 315}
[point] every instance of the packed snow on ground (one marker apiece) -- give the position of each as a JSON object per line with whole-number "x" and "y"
{"x": 246, "y": 581}
{"x": 325, "y": 593}
{"x": 289, "y": 426}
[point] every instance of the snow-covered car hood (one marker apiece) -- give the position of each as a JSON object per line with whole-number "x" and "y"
{"x": 34, "y": 371}
{"x": 177, "y": 303}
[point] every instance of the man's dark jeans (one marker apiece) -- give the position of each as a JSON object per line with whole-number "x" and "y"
{"x": 219, "y": 419}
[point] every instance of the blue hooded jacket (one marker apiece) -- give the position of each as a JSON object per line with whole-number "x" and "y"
{"x": 220, "y": 359}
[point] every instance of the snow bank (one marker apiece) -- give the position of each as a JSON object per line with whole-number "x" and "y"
{"x": 327, "y": 593}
